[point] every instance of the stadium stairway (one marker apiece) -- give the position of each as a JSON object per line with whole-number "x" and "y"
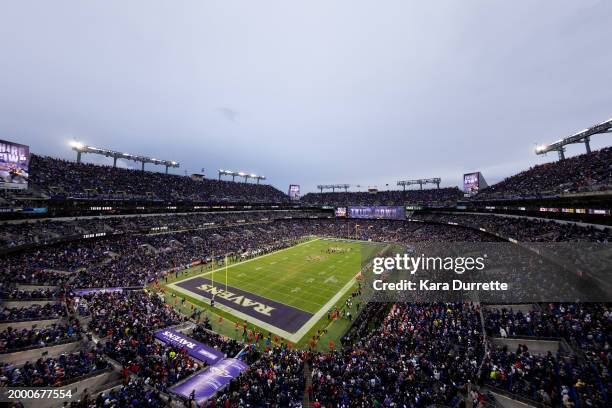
{"x": 307, "y": 384}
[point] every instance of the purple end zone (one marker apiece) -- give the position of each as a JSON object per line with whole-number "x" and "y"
{"x": 277, "y": 314}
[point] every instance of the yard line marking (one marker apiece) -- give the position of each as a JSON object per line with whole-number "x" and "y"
{"x": 297, "y": 336}
{"x": 258, "y": 268}
{"x": 331, "y": 279}
{"x": 248, "y": 260}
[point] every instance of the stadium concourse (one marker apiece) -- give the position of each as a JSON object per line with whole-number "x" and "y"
{"x": 59, "y": 329}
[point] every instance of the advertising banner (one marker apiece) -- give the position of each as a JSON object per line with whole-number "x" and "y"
{"x": 194, "y": 348}
{"x": 205, "y": 384}
{"x": 377, "y": 212}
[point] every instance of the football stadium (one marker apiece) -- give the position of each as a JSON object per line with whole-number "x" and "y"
{"x": 433, "y": 228}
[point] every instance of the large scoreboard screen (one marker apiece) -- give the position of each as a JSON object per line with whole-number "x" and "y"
{"x": 14, "y": 163}
{"x": 377, "y": 212}
{"x": 294, "y": 192}
{"x": 471, "y": 182}
{"x": 340, "y": 212}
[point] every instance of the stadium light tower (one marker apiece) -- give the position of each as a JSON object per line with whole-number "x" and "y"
{"x": 333, "y": 187}
{"x": 420, "y": 182}
{"x": 584, "y": 136}
{"x": 244, "y": 174}
{"x": 77, "y": 147}
{"x": 81, "y": 148}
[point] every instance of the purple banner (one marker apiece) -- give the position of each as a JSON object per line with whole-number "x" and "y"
{"x": 194, "y": 348}
{"x": 269, "y": 311}
{"x": 205, "y": 384}
{"x": 377, "y": 212}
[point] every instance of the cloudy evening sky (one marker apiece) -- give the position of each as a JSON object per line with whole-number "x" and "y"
{"x": 308, "y": 92}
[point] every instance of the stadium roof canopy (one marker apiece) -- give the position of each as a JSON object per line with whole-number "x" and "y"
{"x": 80, "y": 148}
{"x": 420, "y": 182}
{"x": 333, "y": 187}
{"x": 244, "y": 174}
{"x": 584, "y": 136}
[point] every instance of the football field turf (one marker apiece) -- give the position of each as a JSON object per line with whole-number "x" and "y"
{"x": 285, "y": 292}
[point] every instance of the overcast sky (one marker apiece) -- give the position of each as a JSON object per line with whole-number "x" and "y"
{"x": 308, "y": 92}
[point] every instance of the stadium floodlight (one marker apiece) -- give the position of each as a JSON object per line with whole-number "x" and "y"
{"x": 540, "y": 148}
{"x": 244, "y": 174}
{"x": 76, "y": 145}
{"x": 584, "y": 136}
{"x": 420, "y": 182}
{"x": 81, "y": 148}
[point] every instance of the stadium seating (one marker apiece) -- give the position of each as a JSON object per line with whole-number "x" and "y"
{"x": 583, "y": 173}
{"x": 53, "y": 371}
{"x": 525, "y": 229}
{"x": 12, "y": 340}
{"x": 135, "y": 392}
{"x": 65, "y": 179}
{"x": 420, "y": 355}
{"x": 442, "y": 197}
{"x": 48, "y": 231}
{"x": 400, "y": 354}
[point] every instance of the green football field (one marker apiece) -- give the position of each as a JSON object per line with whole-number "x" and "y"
{"x": 305, "y": 281}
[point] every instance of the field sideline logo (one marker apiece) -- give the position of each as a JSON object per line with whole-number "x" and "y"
{"x": 240, "y": 300}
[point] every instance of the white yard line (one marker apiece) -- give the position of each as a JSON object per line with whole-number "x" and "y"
{"x": 317, "y": 316}
{"x": 248, "y": 260}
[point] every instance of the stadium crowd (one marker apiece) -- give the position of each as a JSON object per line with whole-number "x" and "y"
{"x": 203, "y": 334}
{"x": 66, "y": 179}
{"x": 550, "y": 379}
{"x": 435, "y": 197}
{"x": 133, "y": 393}
{"x": 586, "y": 172}
{"x": 46, "y": 232}
{"x": 582, "y": 377}
{"x": 11, "y": 292}
{"x": 32, "y": 312}
{"x": 276, "y": 379}
{"x": 137, "y": 259}
{"x": 12, "y": 340}
{"x": 54, "y": 371}
{"x": 422, "y": 354}
{"x": 126, "y": 322}
{"x": 413, "y": 354}
{"x": 524, "y": 229}
{"x": 588, "y": 325}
